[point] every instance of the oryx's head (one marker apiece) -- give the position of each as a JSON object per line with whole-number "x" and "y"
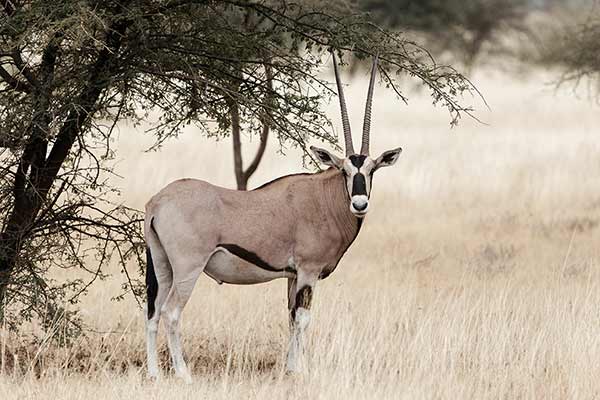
{"x": 358, "y": 169}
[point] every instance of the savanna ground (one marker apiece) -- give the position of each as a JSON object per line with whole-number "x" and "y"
{"x": 476, "y": 275}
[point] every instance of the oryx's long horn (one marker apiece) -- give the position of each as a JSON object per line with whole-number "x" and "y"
{"x": 364, "y": 149}
{"x": 345, "y": 121}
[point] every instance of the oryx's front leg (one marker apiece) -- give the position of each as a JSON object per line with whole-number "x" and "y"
{"x": 299, "y": 300}
{"x": 291, "y": 295}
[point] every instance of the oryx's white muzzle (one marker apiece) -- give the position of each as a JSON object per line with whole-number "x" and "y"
{"x": 359, "y": 205}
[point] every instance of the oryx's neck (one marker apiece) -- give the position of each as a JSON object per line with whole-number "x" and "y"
{"x": 337, "y": 201}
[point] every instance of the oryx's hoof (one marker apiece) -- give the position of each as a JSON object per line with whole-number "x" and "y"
{"x": 185, "y": 377}
{"x": 154, "y": 377}
{"x": 293, "y": 370}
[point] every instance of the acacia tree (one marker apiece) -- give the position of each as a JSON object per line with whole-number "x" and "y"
{"x": 70, "y": 71}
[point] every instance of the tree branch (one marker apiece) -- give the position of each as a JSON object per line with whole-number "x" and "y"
{"x": 13, "y": 82}
{"x": 266, "y": 123}
{"x": 9, "y": 7}
{"x": 237, "y": 144}
{"x": 84, "y": 106}
{"x": 23, "y": 68}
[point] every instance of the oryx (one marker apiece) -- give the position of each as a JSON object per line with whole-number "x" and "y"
{"x": 296, "y": 227}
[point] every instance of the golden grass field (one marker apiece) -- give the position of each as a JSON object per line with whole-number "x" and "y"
{"x": 476, "y": 275}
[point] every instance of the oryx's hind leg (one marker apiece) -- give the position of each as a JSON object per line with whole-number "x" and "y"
{"x": 183, "y": 285}
{"x": 159, "y": 279}
{"x": 302, "y": 291}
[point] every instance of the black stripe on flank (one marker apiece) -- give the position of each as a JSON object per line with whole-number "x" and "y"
{"x": 359, "y": 185}
{"x": 151, "y": 281}
{"x": 252, "y": 258}
{"x": 357, "y": 160}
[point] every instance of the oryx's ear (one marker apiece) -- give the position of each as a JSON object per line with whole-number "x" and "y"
{"x": 388, "y": 158}
{"x": 327, "y": 158}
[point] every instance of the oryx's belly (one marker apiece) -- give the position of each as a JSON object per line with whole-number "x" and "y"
{"x": 227, "y": 265}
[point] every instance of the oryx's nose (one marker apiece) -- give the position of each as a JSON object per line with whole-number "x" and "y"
{"x": 360, "y": 205}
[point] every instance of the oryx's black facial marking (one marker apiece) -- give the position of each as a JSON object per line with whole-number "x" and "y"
{"x": 357, "y": 160}
{"x": 359, "y": 186}
{"x": 251, "y": 257}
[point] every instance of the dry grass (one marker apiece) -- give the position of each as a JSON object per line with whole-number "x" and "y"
{"x": 476, "y": 276}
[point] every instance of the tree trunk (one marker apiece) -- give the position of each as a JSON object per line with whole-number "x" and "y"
{"x": 27, "y": 193}
{"x": 36, "y": 174}
{"x": 238, "y": 165}
{"x": 8, "y": 257}
{"x": 242, "y": 176}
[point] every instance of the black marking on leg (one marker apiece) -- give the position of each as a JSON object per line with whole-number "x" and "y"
{"x": 252, "y": 257}
{"x": 151, "y": 281}
{"x": 304, "y": 297}
{"x": 357, "y": 160}
{"x": 303, "y": 300}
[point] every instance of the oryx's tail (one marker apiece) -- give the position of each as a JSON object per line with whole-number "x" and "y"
{"x": 151, "y": 281}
